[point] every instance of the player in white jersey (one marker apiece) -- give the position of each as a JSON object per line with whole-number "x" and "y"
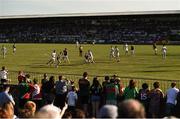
{"x": 126, "y": 49}
{"x": 111, "y": 53}
{"x": 53, "y": 58}
{"x": 77, "y": 44}
{"x": 164, "y": 51}
{"x": 116, "y": 52}
{"x": 90, "y": 57}
{"x": 4, "y": 51}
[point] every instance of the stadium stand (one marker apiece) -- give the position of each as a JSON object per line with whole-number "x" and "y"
{"x": 140, "y": 29}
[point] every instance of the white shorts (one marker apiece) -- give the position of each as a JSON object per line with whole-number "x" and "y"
{"x": 53, "y": 59}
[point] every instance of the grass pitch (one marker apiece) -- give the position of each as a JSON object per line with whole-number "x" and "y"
{"x": 33, "y": 58}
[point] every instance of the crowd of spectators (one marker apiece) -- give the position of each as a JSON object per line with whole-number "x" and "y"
{"x": 63, "y": 99}
{"x": 109, "y": 29}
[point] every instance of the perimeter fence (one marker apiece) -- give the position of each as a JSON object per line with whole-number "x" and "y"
{"x": 164, "y": 84}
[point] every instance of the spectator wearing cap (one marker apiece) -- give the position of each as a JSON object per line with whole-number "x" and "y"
{"x": 171, "y": 99}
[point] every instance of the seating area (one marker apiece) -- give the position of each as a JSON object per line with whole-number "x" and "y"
{"x": 143, "y": 29}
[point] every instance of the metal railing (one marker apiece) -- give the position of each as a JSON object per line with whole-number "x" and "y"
{"x": 164, "y": 84}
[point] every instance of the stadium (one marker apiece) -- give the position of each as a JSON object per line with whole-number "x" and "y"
{"x": 43, "y": 58}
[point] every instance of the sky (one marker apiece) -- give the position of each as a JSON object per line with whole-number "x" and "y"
{"x": 37, "y": 7}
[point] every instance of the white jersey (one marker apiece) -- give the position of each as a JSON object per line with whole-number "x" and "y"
{"x": 116, "y": 52}
{"x": 126, "y": 47}
{"x": 164, "y": 49}
{"x": 3, "y": 74}
{"x": 112, "y": 51}
{"x": 53, "y": 55}
{"x": 4, "y": 50}
{"x": 77, "y": 43}
{"x": 90, "y": 54}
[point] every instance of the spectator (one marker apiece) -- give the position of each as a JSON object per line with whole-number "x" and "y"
{"x": 49, "y": 91}
{"x": 61, "y": 92}
{"x": 143, "y": 96}
{"x": 24, "y": 95}
{"x": 27, "y": 76}
{"x": 131, "y": 109}
{"x": 112, "y": 92}
{"x": 45, "y": 79}
{"x": 5, "y": 97}
{"x": 20, "y": 76}
{"x": 51, "y": 111}
{"x": 67, "y": 115}
{"x": 84, "y": 86}
{"x": 130, "y": 91}
{"x": 72, "y": 99}
{"x": 3, "y": 75}
{"x": 177, "y": 108}
{"x": 156, "y": 100}
{"x": 108, "y": 111}
{"x": 96, "y": 90}
{"x": 171, "y": 99}
{"x": 28, "y": 111}
{"x": 104, "y": 83}
{"x": 78, "y": 113}
{"x": 36, "y": 91}
{"x": 36, "y": 94}
{"x": 7, "y": 111}
{"x": 121, "y": 89}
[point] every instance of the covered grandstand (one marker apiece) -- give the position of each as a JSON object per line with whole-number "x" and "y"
{"x": 133, "y": 28}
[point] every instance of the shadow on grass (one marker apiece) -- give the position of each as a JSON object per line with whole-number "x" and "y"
{"x": 163, "y": 66}
{"x": 38, "y": 65}
{"x": 156, "y": 71}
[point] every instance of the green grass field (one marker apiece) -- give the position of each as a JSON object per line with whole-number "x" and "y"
{"x": 33, "y": 58}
